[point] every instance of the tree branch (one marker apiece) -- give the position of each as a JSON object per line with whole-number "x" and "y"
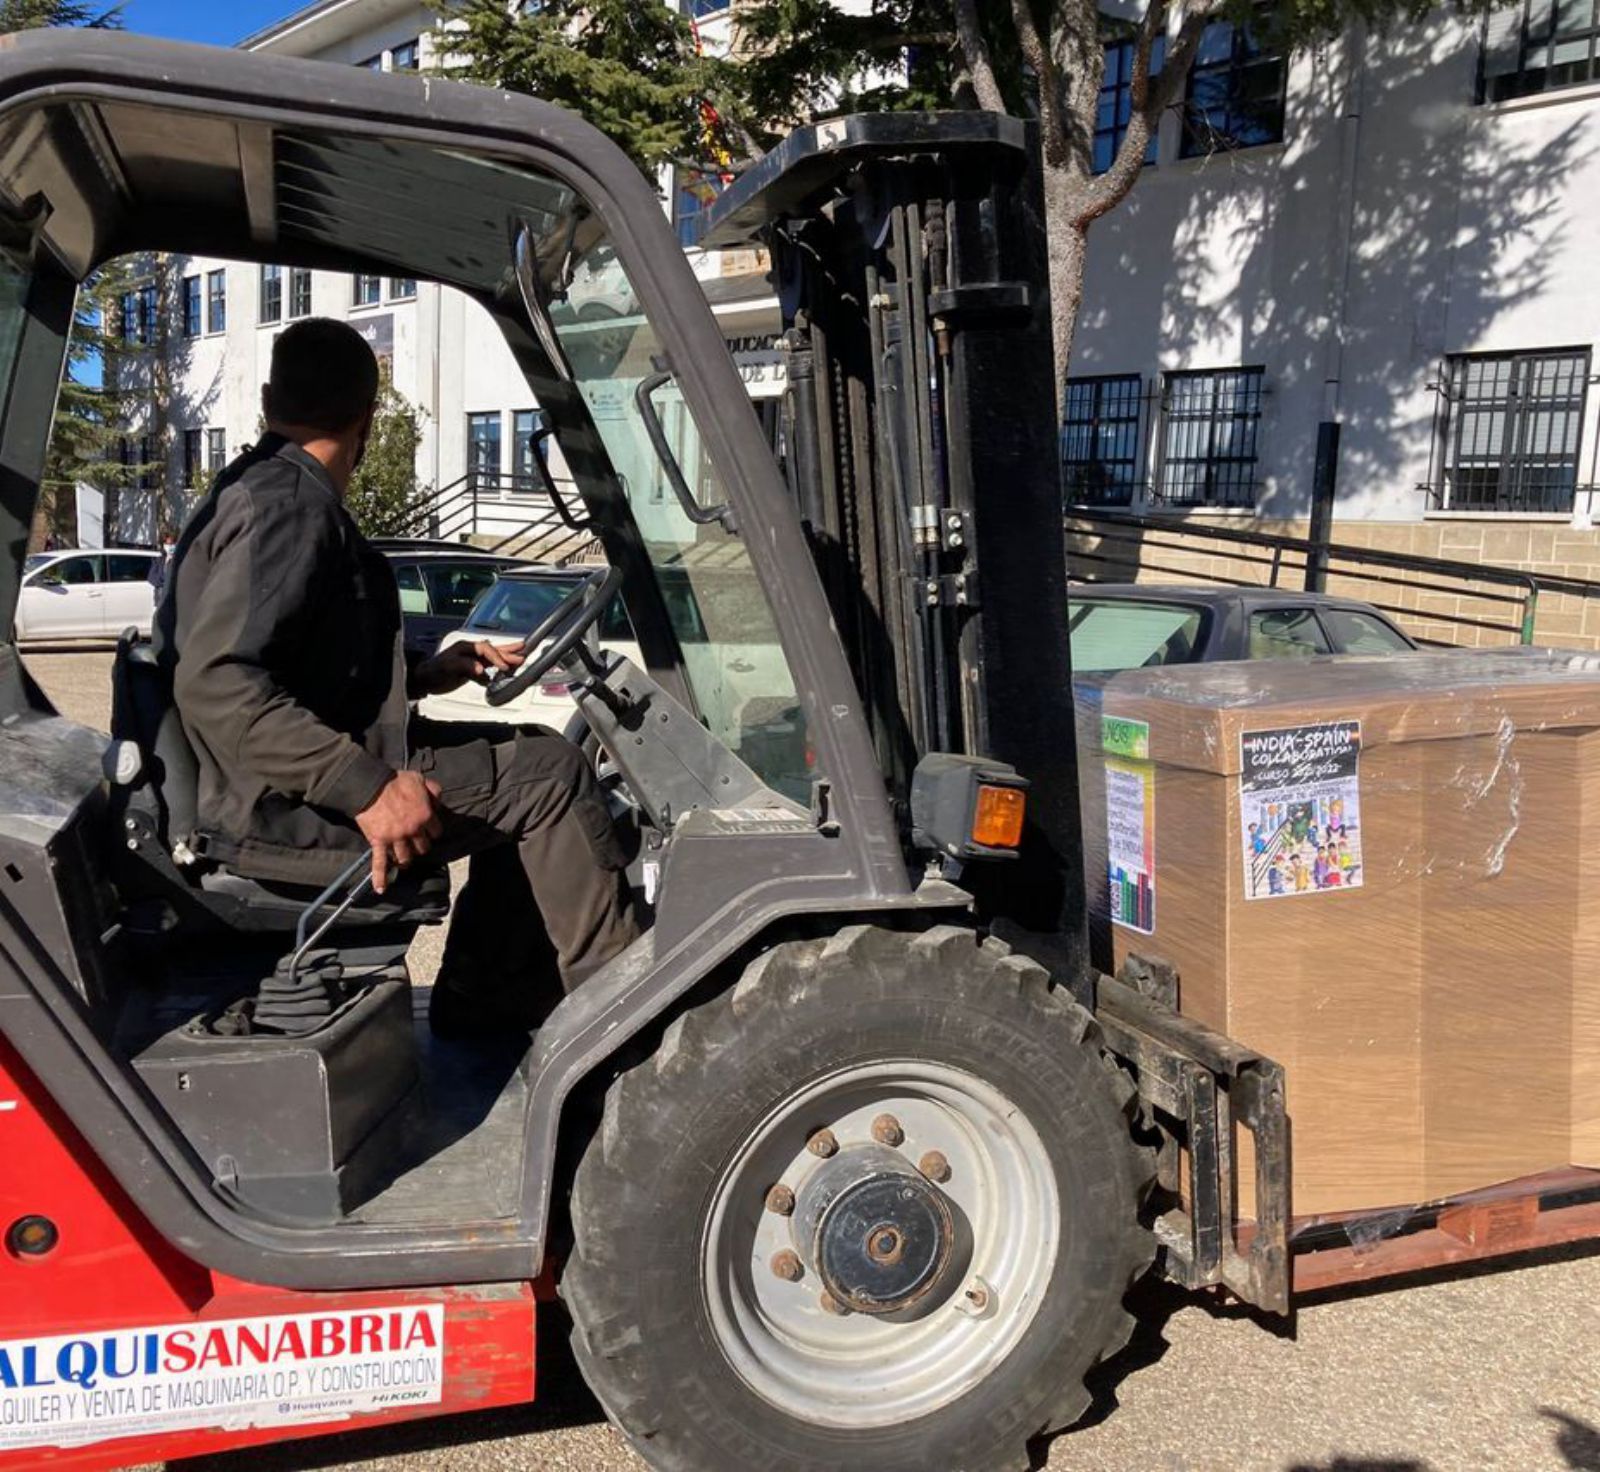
{"x": 975, "y": 53}
{"x": 1149, "y": 99}
{"x": 1037, "y": 55}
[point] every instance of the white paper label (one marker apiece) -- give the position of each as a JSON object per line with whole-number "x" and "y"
{"x": 230, "y": 1374}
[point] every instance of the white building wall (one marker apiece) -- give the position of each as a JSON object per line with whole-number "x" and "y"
{"x": 1398, "y": 222}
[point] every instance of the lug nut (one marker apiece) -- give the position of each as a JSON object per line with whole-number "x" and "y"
{"x": 886, "y": 1131}
{"x": 780, "y": 1201}
{"x": 823, "y": 1143}
{"x": 831, "y": 1305}
{"x": 787, "y": 1265}
{"x": 935, "y": 1167}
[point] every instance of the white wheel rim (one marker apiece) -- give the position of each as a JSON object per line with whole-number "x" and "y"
{"x": 859, "y": 1370}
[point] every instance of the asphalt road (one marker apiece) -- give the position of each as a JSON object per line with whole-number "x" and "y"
{"x": 1493, "y": 1370}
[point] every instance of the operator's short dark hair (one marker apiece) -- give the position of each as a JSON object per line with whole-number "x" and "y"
{"x": 323, "y": 375}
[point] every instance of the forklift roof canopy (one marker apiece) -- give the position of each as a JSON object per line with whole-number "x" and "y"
{"x": 145, "y": 166}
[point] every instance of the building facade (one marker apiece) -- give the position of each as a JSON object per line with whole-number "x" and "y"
{"x": 1394, "y": 232}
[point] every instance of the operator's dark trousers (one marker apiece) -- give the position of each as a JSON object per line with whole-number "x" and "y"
{"x": 524, "y": 804}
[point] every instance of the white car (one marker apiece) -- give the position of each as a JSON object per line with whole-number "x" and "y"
{"x": 511, "y": 609}
{"x": 82, "y": 596}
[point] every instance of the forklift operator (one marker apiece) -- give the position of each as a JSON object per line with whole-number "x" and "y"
{"x": 281, "y": 629}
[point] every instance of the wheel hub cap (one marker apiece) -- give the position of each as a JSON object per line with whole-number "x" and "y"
{"x": 881, "y": 1237}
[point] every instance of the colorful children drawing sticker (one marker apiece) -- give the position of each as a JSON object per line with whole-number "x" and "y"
{"x": 1130, "y": 823}
{"x": 1300, "y": 809}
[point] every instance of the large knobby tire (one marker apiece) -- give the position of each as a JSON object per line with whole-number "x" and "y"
{"x": 711, "y": 1361}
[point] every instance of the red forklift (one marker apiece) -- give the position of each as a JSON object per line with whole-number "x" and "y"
{"x": 852, "y": 1158}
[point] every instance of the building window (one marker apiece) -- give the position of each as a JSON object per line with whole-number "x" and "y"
{"x": 699, "y": 9}
{"x": 368, "y": 291}
{"x": 272, "y": 293}
{"x": 149, "y": 463}
{"x": 696, "y": 191}
{"x": 216, "y": 301}
{"x": 1100, "y": 439}
{"x": 191, "y": 306}
{"x": 1235, "y": 92}
{"x": 1116, "y": 101}
{"x": 1535, "y": 46}
{"x": 299, "y": 292}
{"x": 405, "y": 57}
{"x": 526, "y": 442}
{"x": 193, "y": 466}
{"x": 402, "y": 289}
{"x": 1512, "y": 424}
{"x": 483, "y": 448}
{"x": 216, "y": 450}
{"x": 1209, "y": 424}
{"x": 139, "y": 316}
{"x": 372, "y": 63}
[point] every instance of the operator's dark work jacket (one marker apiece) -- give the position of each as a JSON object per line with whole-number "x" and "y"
{"x": 292, "y": 677}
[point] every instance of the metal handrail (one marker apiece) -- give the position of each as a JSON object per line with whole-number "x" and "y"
{"x": 1121, "y": 525}
{"x": 459, "y": 507}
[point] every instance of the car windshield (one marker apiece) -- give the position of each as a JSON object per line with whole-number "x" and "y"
{"x": 1113, "y": 634}
{"x": 453, "y": 587}
{"x": 36, "y": 560}
{"x": 733, "y": 659}
{"x": 520, "y": 605}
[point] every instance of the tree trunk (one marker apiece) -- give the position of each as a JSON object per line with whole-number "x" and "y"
{"x": 1068, "y": 246}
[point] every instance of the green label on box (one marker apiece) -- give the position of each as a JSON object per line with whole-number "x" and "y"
{"x": 1125, "y": 738}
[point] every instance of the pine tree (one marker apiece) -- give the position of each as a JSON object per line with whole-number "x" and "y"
{"x": 633, "y": 68}
{"x": 383, "y": 492}
{"x": 28, "y": 15}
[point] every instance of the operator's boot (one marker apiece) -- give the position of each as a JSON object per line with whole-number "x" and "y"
{"x": 488, "y": 1007}
{"x": 499, "y": 977}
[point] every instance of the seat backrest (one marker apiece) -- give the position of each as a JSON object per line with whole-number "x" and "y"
{"x": 143, "y": 711}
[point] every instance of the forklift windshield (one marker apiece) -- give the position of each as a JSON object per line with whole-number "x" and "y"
{"x": 720, "y": 617}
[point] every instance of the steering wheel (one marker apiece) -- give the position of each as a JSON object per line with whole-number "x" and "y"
{"x": 565, "y": 625}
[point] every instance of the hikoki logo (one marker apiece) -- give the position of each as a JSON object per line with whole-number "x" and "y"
{"x": 91, "y": 1360}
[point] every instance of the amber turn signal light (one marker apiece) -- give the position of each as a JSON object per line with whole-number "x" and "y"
{"x": 997, "y": 819}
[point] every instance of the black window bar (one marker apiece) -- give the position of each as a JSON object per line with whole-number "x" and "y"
{"x": 1101, "y": 436}
{"x": 1513, "y": 424}
{"x": 1210, "y": 433}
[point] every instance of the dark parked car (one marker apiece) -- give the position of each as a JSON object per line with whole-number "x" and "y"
{"x": 439, "y": 583}
{"x": 1127, "y": 626}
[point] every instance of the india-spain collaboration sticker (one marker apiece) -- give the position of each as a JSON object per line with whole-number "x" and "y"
{"x": 1300, "y": 809}
{"x": 231, "y": 1374}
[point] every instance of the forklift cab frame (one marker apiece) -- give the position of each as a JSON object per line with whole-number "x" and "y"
{"x": 111, "y": 145}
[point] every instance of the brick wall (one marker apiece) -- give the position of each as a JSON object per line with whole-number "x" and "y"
{"x": 1422, "y": 606}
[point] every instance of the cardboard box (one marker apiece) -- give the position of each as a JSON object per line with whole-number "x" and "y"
{"x": 1412, "y": 925}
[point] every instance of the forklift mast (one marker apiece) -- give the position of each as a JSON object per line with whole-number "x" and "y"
{"x": 920, "y": 444}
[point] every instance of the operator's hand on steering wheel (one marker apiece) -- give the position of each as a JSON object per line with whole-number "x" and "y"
{"x": 454, "y": 666}
{"x": 400, "y": 823}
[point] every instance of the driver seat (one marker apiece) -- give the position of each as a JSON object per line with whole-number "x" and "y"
{"x": 154, "y": 778}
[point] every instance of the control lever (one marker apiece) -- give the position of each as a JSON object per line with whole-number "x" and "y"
{"x": 303, "y": 990}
